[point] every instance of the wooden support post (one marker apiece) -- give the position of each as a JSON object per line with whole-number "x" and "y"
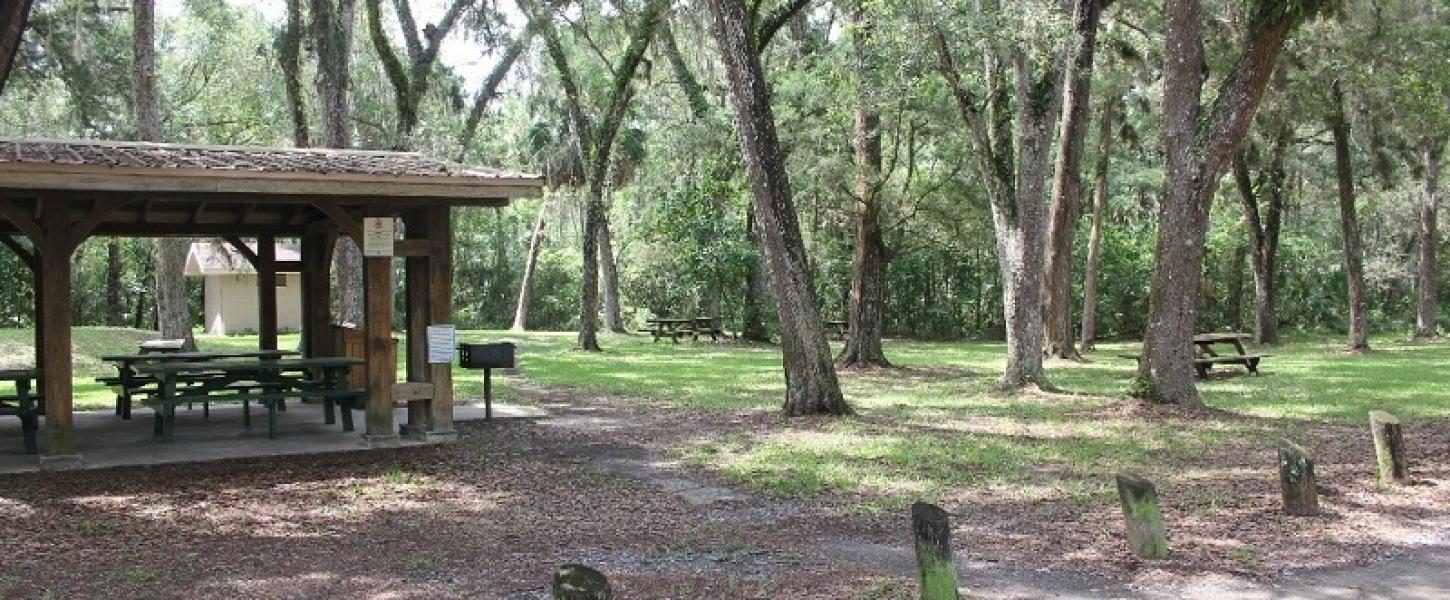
{"x": 440, "y": 305}
{"x": 55, "y": 344}
{"x": 578, "y": 582}
{"x": 266, "y": 292}
{"x": 378, "y": 347}
{"x": 416, "y": 271}
{"x": 936, "y": 569}
{"x": 1389, "y": 448}
{"x": 1144, "y": 519}
{"x": 1296, "y": 478}
{"x": 317, "y": 295}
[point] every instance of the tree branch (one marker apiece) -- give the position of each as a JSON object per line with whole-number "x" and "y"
{"x": 775, "y": 21}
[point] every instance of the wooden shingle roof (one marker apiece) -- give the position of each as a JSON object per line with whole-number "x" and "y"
{"x": 145, "y": 155}
{"x": 142, "y": 167}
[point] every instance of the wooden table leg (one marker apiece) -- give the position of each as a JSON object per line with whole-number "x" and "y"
{"x": 168, "y": 407}
{"x": 29, "y": 425}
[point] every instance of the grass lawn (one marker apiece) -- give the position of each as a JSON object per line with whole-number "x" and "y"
{"x": 932, "y": 426}
{"x": 1029, "y": 474}
{"x": 937, "y": 424}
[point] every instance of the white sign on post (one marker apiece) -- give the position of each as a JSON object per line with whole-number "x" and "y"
{"x": 377, "y": 236}
{"x": 441, "y": 342}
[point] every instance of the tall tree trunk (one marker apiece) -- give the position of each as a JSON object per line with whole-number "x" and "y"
{"x": 869, "y": 257}
{"x": 289, "y": 57}
{"x": 594, "y": 142}
{"x": 613, "y": 319}
{"x": 531, "y": 269}
{"x": 1095, "y": 235}
{"x": 1264, "y": 221}
{"x": 1235, "y": 308}
{"x": 1067, "y": 181}
{"x": 332, "y": 29}
{"x": 1429, "y": 240}
{"x": 1198, "y": 145}
{"x": 1016, "y": 190}
{"x": 169, "y": 254}
{"x": 1349, "y": 224}
{"x": 115, "y": 298}
{"x": 811, "y": 385}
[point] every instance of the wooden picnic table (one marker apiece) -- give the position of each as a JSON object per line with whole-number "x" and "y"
{"x": 837, "y": 329}
{"x": 1206, "y": 354}
{"x": 128, "y": 383}
{"x": 675, "y": 329}
{"x": 1206, "y": 347}
{"x": 24, "y": 405}
{"x": 269, "y": 382}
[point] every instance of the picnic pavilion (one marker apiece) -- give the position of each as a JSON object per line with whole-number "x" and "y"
{"x": 58, "y": 193}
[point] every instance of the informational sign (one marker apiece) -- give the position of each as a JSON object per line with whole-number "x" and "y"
{"x": 442, "y": 340}
{"x": 377, "y": 236}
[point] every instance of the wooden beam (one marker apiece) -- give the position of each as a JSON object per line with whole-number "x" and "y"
{"x": 412, "y": 248}
{"x": 349, "y": 226}
{"x": 56, "y": 316}
{"x": 316, "y": 295}
{"x": 297, "y": 211}
{"x": 412, "y": 392}
{"x": 26, "y": 255}
{"x": 378, "y": 348}
{"x": 100, "y": 211}
{"x": 198, "y": 230}
{"x": 243, "y": 249}
{"x": 415, "y": 271}
{"x": 266, "y": 293}
{"x": 145, "y": 213}
{"x": 440, "y": 306}
{"x": 25, "y": 223}
{"x": 246, "y": 212}
{"x": 196, "y": 212}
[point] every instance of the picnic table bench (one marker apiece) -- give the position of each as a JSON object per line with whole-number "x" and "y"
{"x": 128, "y": 382}
{"x": 837, "y": 329}
{"x": 269, "y": 382}
{"x": 161, "y": 346}
{"x": 675, "y": 329}
{"x": 1206, "y": 355}
{"x": 23, "y": 404}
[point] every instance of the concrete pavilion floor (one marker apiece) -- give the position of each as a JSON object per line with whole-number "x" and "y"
{"x": 105, "y": 440}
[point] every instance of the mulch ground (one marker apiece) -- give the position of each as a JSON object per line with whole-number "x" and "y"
{"x": 492, "y": 516}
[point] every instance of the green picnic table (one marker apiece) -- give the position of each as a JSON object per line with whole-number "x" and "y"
{"x": 23, "y": 404}
{"x": 128, "y": 383}
{"x": 269, "y": 382}
{"x": 677, "y": 328}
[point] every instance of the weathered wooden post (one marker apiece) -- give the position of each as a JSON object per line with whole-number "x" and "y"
{"x": 1389, "y": 448}
{"x": 933, "y": 533}
{"x": 578, "y": 582}
{"x": 1296, "y": 479}
{"x": 1144, "y": 520}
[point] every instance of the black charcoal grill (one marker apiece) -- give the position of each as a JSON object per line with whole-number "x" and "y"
{"x": 487, "y": 357}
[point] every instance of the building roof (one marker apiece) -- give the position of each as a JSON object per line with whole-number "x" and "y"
{"x": 111, "y": 166}
{"x": 220, "y": 258}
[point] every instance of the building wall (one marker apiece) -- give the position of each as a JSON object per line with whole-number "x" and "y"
{"x": 231, "y": 303}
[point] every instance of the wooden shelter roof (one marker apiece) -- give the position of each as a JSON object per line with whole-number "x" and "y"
{"x": 149, "y": 189}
